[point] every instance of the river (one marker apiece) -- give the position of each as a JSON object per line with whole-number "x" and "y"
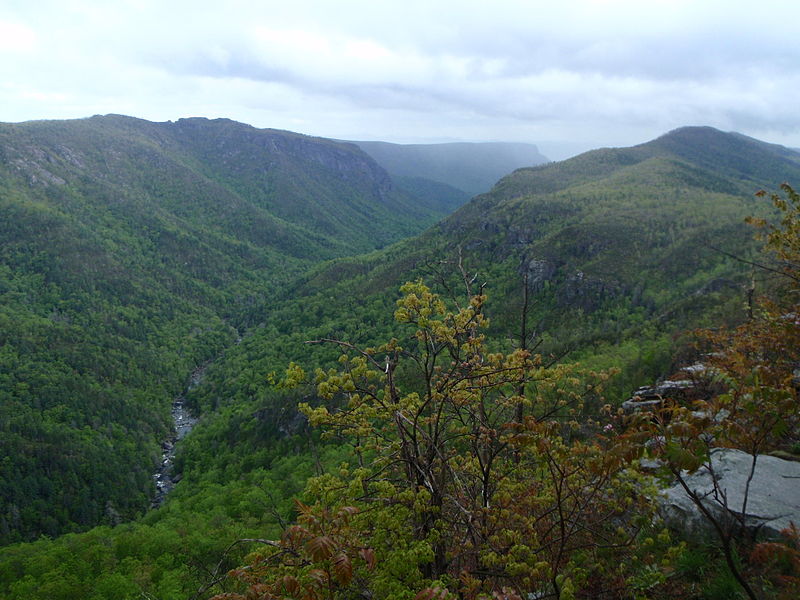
{"x": 182, "y": 423}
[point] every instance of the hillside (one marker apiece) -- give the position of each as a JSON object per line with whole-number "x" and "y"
{"x": 438, "y": 196}
{"x": 130, "y": 252}
{"x": 305, "y": 197}
{"x": 472, "y": 168}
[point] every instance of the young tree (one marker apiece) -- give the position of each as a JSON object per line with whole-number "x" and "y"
{"x": 450, "y": 491}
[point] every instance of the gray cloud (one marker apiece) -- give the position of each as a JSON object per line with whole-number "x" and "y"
{"x": 585, "y": 73}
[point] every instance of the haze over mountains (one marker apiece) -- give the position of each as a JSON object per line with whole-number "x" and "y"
{"x": 133, "y": 252}
{"x": 471, "y": 168}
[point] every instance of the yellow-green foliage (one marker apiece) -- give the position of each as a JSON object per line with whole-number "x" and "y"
{"x": 479, "y": 475}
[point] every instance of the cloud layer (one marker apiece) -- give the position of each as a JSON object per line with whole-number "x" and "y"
{"x": 583, "y": 74}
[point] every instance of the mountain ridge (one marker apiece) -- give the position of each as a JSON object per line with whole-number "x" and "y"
{"x": 184, "y": 146}
{"x": 681, "y": 143}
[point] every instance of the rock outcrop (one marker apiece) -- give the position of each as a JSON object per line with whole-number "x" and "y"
{"x": 773, "y": 497}
{"x": 653, "y": 396}
{"x": 695, "y": 382}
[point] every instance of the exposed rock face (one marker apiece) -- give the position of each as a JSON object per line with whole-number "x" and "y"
{"x": 586, "y": 292}
{"x": 235, "y": 140}
{"x": 539, "y": 272}
{"x": 773, "y": 500}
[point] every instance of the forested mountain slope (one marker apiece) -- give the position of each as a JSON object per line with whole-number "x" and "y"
{"x": 471, "y": 167}
{"x": 129, "y": 251}
{"x": 620, "y": 249}
{"x": 300, "y": 195}
{"x": 616, "y": 247}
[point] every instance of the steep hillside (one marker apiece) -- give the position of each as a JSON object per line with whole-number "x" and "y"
{"x": 472, "y": 168}
{"x": 305, "y": 197}
{"x": 438, "y": 196}
{"x": 129, "y": 252}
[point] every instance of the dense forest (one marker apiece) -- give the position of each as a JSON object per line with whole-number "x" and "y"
{"x": 132, "y": 252}
{"x": 135, "y": 252}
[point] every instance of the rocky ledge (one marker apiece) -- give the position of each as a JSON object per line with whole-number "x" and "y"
{"x": 773, "y": 495}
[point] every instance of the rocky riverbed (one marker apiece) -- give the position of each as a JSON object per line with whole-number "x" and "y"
{"x": 182, "y": 421}
{"x": 164, "y": 478}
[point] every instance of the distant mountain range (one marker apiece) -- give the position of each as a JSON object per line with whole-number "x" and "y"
{"x": 471, "y": 168}
{"x": 296, "y": 194}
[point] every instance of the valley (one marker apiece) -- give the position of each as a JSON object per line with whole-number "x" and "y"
{"x": 139, "y": 255}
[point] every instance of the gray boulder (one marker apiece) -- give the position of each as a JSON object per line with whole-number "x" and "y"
{"x": 773, "y": 499}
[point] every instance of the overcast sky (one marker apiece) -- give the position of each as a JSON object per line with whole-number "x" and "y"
{"x": 567, "y": 75}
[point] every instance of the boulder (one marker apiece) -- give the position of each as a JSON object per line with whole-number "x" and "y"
{"x": 696, "y": 382}
{"x": 773, "y": 499}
